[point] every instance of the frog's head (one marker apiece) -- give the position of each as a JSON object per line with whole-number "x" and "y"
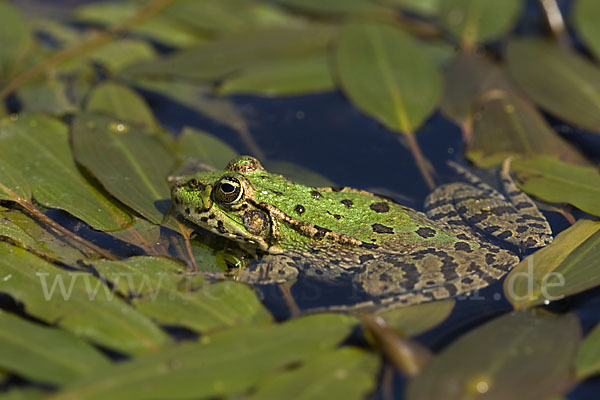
{"x": 223, "y": 202}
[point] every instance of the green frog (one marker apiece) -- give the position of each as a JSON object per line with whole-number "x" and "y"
{"x": 469, "y": 237}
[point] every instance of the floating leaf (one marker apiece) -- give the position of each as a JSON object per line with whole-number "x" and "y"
{"x": 45, "y": 354}
{"x": 514, "y": 356}
{"x": 414, "y": 320}
{"x": 585, "y": 17}
{"x": 130, "y": 164}
{"x": 588, "y": 357}
{"x": 233, "y": 53}
{"x": 119, "y": 54}
{"x": 122, "y": 103}
{"x": 477, "y": 21}
{"x": 567, "y": 266}
{"x": 161, "y": 291}
{"x": 48, "y": 96}
{"x": 12, "y": 182}
{"x": 303, "y": 75}
{"x": 568, "y": 86}
{"x": 17, "y": 40}
{"x": 147, "y": 236}
{"x": 558, "y": 182}
{"x": 224, "y": 363}
{"x": 161, "y": 27}
{"x": 75, "y": 301}
{"x": 23, "y": 393}
{"x": 204, "y": 147}
{"x": 38, "y": 146}
{"x": 348, "y": 373}
{"x": 231, "y": 15}
{"x": 423, "y": 7}
{"x": 15, "y": 233}
{"x": 404, "y": 85}
{"x": 351, "y": 7}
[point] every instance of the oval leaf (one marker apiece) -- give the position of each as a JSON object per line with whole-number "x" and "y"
{"x": 204, "y": 147}
{"x": 565, "y": 267}
{"x": 414, "y": 320}
{"x": 559, "y": 182}
{"x": 130, "y": 164}
{"x": 476, "y": 21}
{"x": 45, "y": 354}
{"x": 39, "y": 147}
{"x": 568, "y": 86}
{"x": 75, "y": 301}
{"x": 17, "y": 40}
{"x": 159, "y": 290}
{"x": 512, "y": 357}
{"x": 387, "y": 76}
{"x": 585, "y": 17}
{"x": 225, "y": 363}
{"x": 588, "y": 357}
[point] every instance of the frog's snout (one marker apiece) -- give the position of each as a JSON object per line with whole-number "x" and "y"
{"x": 192, "y": 193}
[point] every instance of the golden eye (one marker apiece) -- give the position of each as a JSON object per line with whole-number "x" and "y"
{"x": 228, "y": 190}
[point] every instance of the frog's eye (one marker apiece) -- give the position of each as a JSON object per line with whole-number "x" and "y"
{"x": 228, "y": 190}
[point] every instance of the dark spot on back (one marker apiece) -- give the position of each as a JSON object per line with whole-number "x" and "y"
{"x": 378, "y": 228}
{"x": 187, "y": 210}
{"x": 347, "y": 203}
{"x": 365, "y": 257}
{"x": 320, "y": 233}
{"x": 522, "y": 204}
{"x": 426, "y": 232}
{"x": 337, "y": 188}
{"x": 522, "y": 229}
{"x": 299, "y": 209}
{"x": 504, "y": 235}
{"x": 315, "y": 194}
{"x": 462, "y": 246}
{"x": 381, "y": 207}
{"x": 369, "y": 246}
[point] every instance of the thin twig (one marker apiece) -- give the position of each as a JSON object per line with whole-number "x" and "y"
{"x": 289, "y": 300}
{"x": 187, "y": 233}
{"x": 422, "y": 163}
{"x": 94, "y": 41}
{"x": 555, "y": 21}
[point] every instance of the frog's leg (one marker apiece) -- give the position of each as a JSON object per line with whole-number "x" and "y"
{"x": 268, "y": 270}
{"x": 477, "y": 206}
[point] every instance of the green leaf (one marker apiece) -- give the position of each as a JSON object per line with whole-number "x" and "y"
{"x": 565, "y": 267}
{"x": 423, "y": 7}
{"x": 588, "y": 356}
{"x": 403, "y": 85}
{"x": 17, "y": 40}
{"x": 122, "y": 103}
{"x": 130, "y": 164}
{"x": 204, "y": 147}
{"x": 233, "y": 53}
{"x": 568, "y": 86}
{"x": 298, "y": 174}
{"x": 347, "y": 373}
{"x": 224, "y": 363}
{"x": 14, "y": 232}
{"x": 303, "y": 75}
{"x": 476, "y": 21}
{"x": 161, "y": 291}
{"x": 350, "y": 7}
{"x": 414, "y": 320}
{"x": 45, "y": 354}
{"x": 161, "y": 27}
{"x": 75, "y": 301}
{"x": 119, "y": 54}
{"x": 12, "y": 181}
{"x": 48, "y": 96}
{"x": 23, "y": 393}
{"x": 585, "y": 18}
{"x": 555, "y": 181}
{"x": 514, "y": 356}
{"x": 38, "y": 146}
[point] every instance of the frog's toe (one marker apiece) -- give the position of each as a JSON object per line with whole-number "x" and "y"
{"x": 269, "y": 270}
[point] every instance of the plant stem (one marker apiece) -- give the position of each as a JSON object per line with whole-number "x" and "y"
{"x": 422, "y": 163}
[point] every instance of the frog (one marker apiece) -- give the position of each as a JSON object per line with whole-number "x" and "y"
{"x": 468, "y": 236}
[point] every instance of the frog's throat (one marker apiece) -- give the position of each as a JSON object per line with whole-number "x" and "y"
{"x": 306, "y": 229}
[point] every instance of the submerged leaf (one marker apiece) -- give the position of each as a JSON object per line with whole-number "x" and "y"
{"x": 567, "y": 86}
{"x": 404, "y": 85}
{"x": 588, "y": 357}
{"x": 514, "y": 356}
{"x": 160, "y": 290}
{"x": 75, "y": 301}
{"x": 45, "y": 354}
{"x": 567, "y": 266}
{"x": 224, "y": 363}
{"x": 348, "y": 373}
{"x": 414, "y": 320}
{"x": 555, "y": 181}
{"x": 38, "y": 146}
{"x": 586, "y": 14}
{"x": 477, "y": 21}
{"x": 131, "y": 165}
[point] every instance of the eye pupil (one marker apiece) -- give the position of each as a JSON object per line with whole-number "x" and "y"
{"x": 227, "y": 188}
